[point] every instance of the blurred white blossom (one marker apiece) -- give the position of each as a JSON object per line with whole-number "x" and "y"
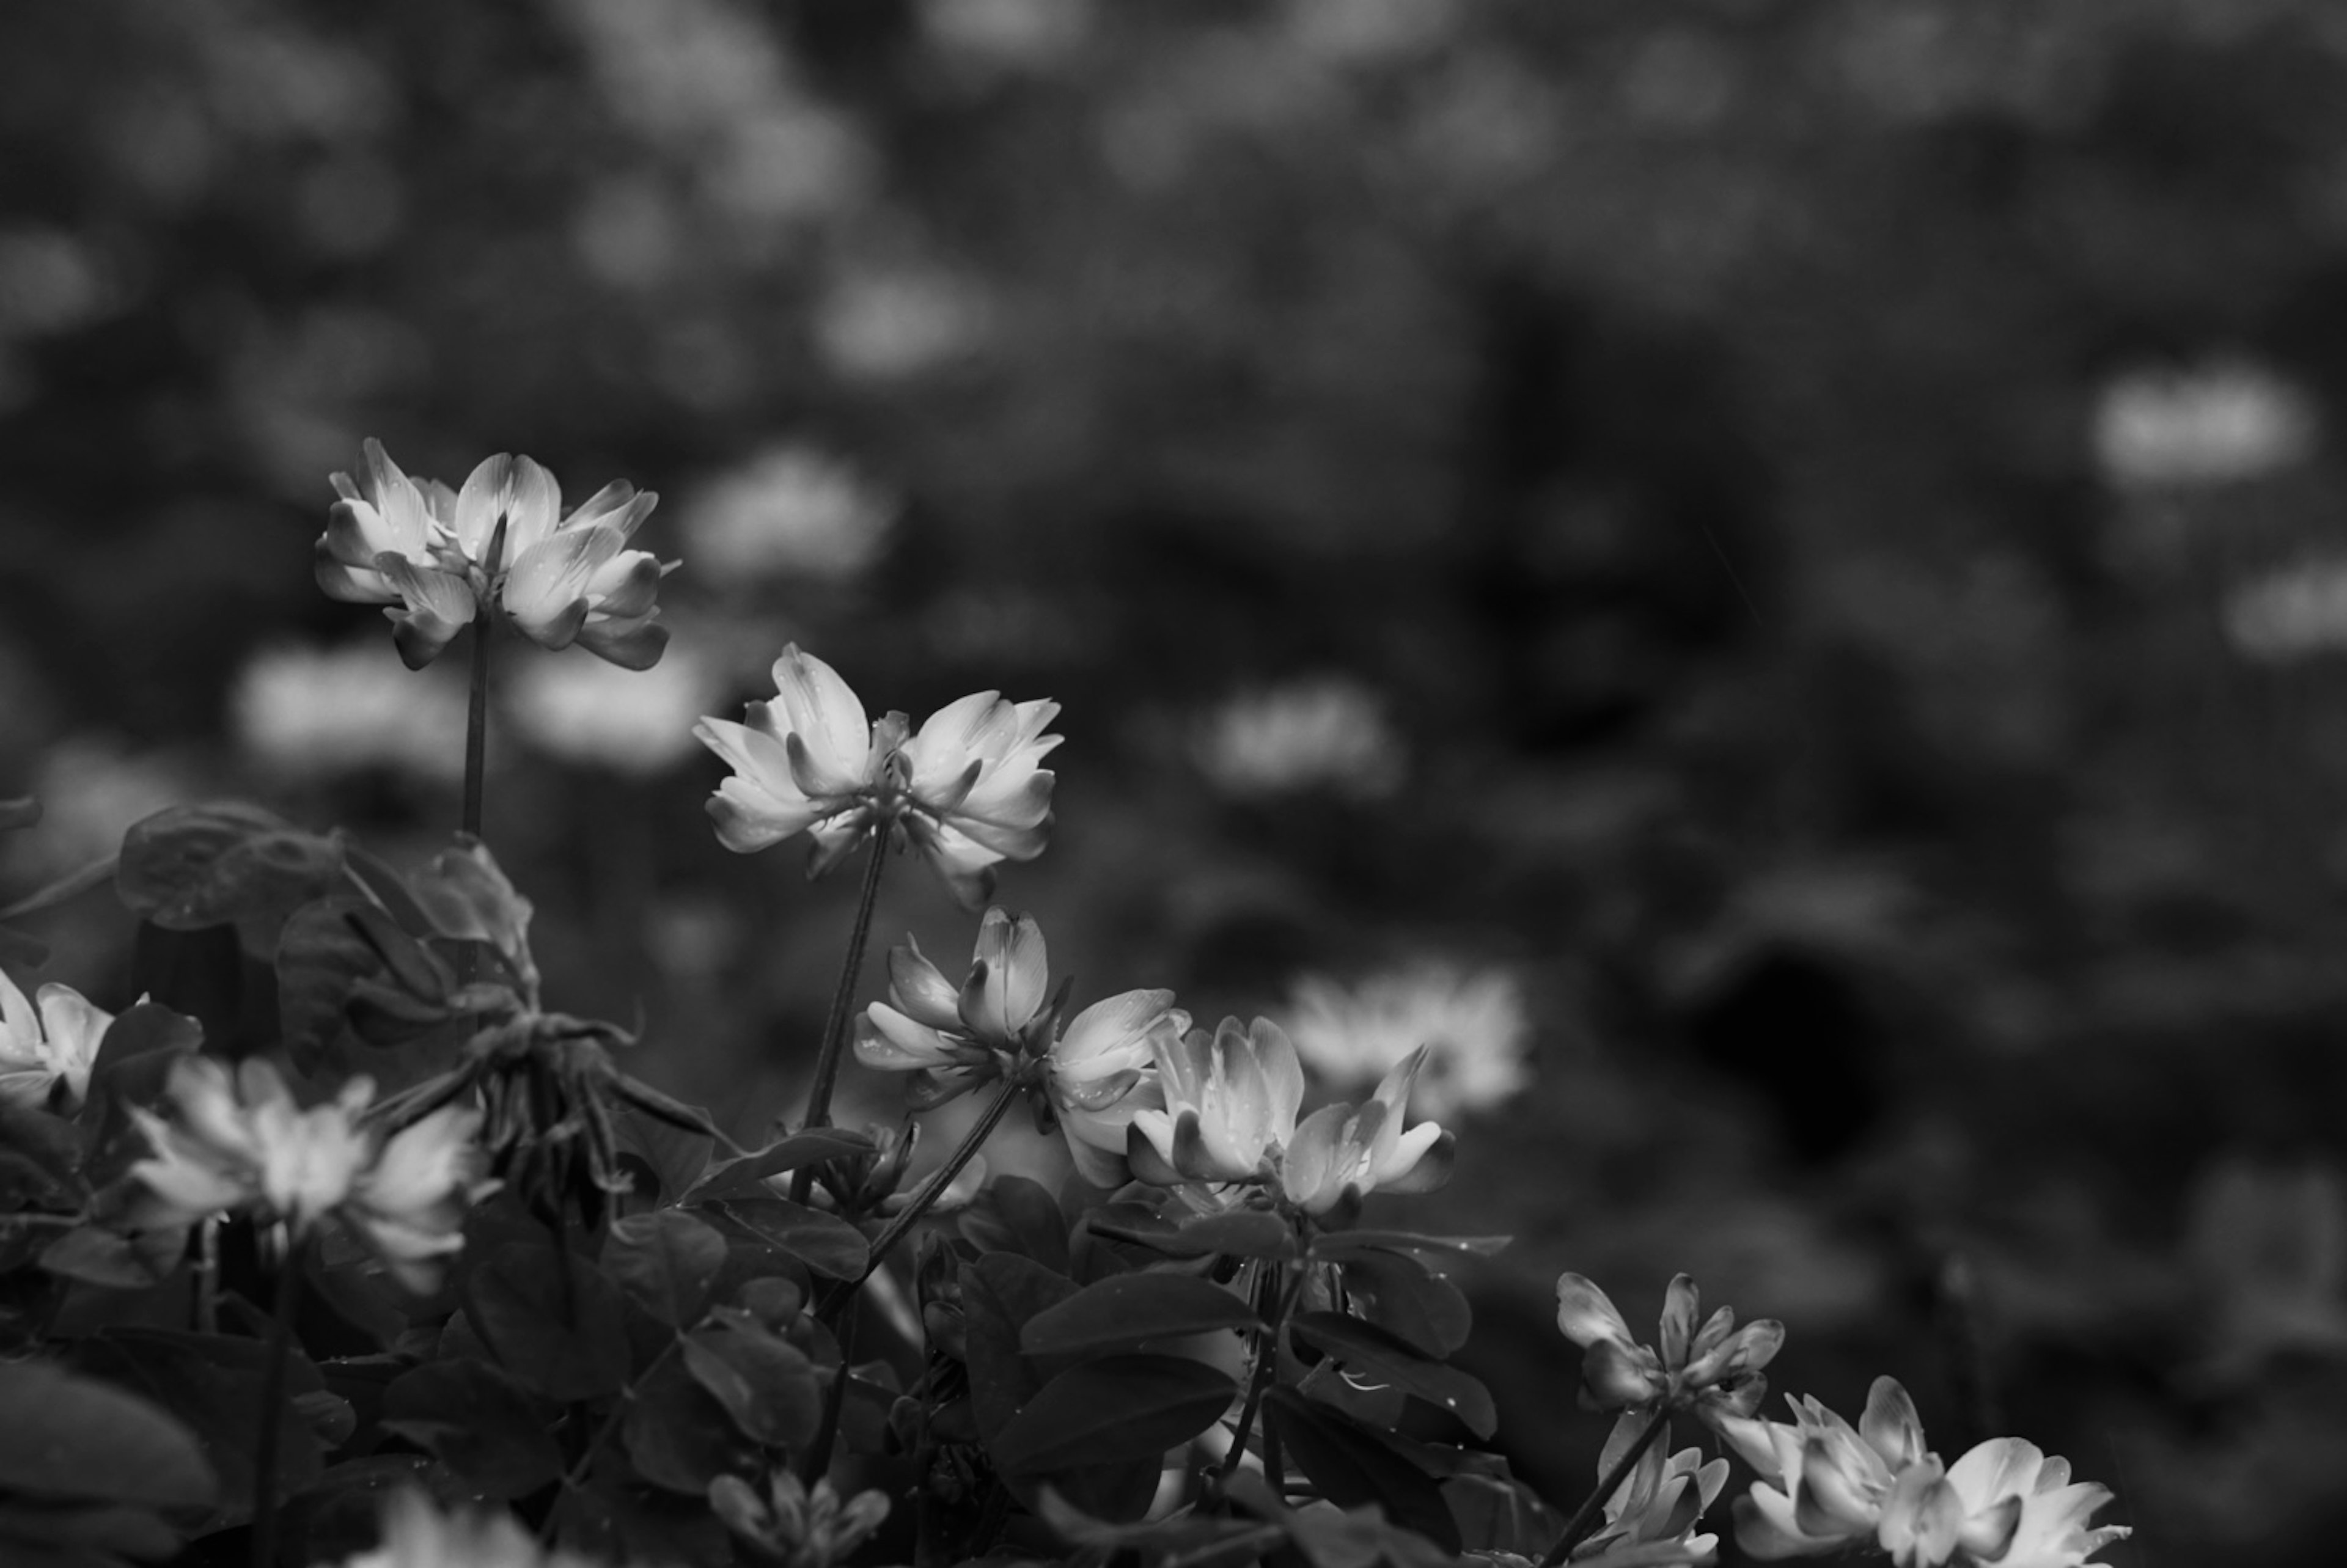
{"x": 1326, "y": 733}
{"x": 1032, "y": 33}
{"x": 630, "y": 720}
{"x": 1365, "y": 32}
{"x": 2289, "y": 614}
{"x": 1474, "y": 1026}
{"x": 311, "y": 712}
{"x": 790, "y": 509}
{"x": 2223, "y": 420}
{"x": 880, "y": 323}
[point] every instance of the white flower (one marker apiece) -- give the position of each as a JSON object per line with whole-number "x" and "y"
{"x": 795, "y": 1525}
{"x": 629, "y": 721}
{"x": 418, "y": 1534}
{"x": 967, "y": 789}
{"x": 2220, "y": 421}
{"x": 2289, "y": 614}
{"x": 1474, "y": 1027}
{"x": 789, "y": 511}
{"x": 312, "y": 712}
{"x": 241, "y": 1141}
{"x": 439, "y": 555}
{"x": 1329, "y": 734}
{"x": 47, "y": 1050}
{"x": 1652, "y": 1507}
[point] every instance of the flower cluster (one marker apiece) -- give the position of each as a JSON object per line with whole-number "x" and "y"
{"x": 502, "y": 544}
{"x": 967, "y": 789}
{"x": 47, "y": 1052}
{"x": 1653, "y": 1516}
{"x": 418, "y": 1534}
{"x": 1824, "y": 1484}
{"x": 240, "y": 1142}
{"x": 1713, "y": 1370}
{"x": 794, "y": 1524}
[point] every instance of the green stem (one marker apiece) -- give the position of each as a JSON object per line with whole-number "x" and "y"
{"x": 272, "y": 1398}
{"x": 572, "y": 1477}
{"x": 843, "y": 1003}
{"x": 208, "y": 1274}
{"x": 931, "y": 1191}
{"x": 1585, "y": 1518}
{"x": 1282, "y": 1294}
{"x": 817, "y": 1462}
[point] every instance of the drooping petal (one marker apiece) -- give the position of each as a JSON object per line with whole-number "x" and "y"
{"x": 75, "y": 1028}
{"x": 1113, "y": 1035}
{"x": 438, "y": 606}
{"x": 919, "y": 990}
{"x": 545, "y": 594}
{"x": 629, "y": 645}
{"x": 888, "y": 1042}
{"x": 1585, "y": 1315}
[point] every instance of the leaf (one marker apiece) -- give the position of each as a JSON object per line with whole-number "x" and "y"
{"x": 468, "y": 898}
{"x": 565, "y": 1349}
{"x": 103, "y": 1257}
{"x": 212, "y": 1383}
{"x": 1013, "y": 1214}
{"x": 75, "y": 1437}
{"x": 770, "y": 1389}
{"x": 675, "y": 1159}
{"x": 1432, "y": 1250}
{"x": 342, "y": 961}
{"x": 825, "y": 1242}
{"x": 1126, "y": 1311}
{"x": 1375, "y": 1356}
{"x": 665, "y": 1261}
{"x": 746, "y": 1176}
{"x": 1351, "y": 1467}
{"x": 134, "y": 1062}
{"x": 190, "y": 867}
{"x": 1396, "y": 1293}
{"x": 1240, "y": 1232}
{"x": 678, "y": 1434}
{"x": 470, "y": 1418}
{"x": 999, "y": 1292}
{"x": 81, "y": 1535}
{"x": 1118, "y": 1407}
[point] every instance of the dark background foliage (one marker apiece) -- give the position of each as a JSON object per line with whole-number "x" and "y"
{"x": 1712, "y": 436}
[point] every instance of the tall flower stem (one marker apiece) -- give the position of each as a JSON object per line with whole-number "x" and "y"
{"x": 1585, "y": 1518}
{"x": 843, "y": 1006}
{"x": 272, "y": 1400}
{"x": 931, "y": 1189}
{"x": 1280, "y": 1295}
{"x": 476, "y": 713}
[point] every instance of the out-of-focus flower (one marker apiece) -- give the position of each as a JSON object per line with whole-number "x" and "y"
{"x": 793, "y": 1525}
{"x": 2289, "y": 614}
{"x": 882, "y": 322}
{"x": 790, "y": 510}
{"x": 418, "y": 1534}
{"x": 1659, "y": 1503}
{"x": 1027, "y": 33}
{"x": 47, "y": 1050}
{"x": 312, "y": 712}
{"x": 2222, "y": 421}
{"x": 1228, "y": 1116}
{"x": 439, "y": 555}
{"x": 1713, "y": 1370}
{"x": 2271, "y": 1250}
{"x": 1328, "y": 734}
{"x": 637, "y": 723}
{"x": 968, "y": 790}
{"x": 1473, "y": 1026}
{"x": 1824, "y": 1484}
{"x": 1094, "y": 1070}
{"x": 241, "y": 1141}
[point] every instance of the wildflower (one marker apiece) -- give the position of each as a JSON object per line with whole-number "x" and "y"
{"x": 440, "y": 555}
{"x": 1329, "y": 733}
{"x": 1714, "y": 1371}
{"x": 47, "y": 1050}
{"x": 312, "y": 712}
{"x": 241, "y": 1141}
{"x": 418, "y": 1534}
{"x": 1472, "y": 1025}
{"x": 967, "y": 789}
{"x": 790, "y": 511}
{"x": 1093, "y": 1071}
{"x": 604, "y": 717}
{"x": 1824, "y": 1484}
{"x": 795, "y": 1525}
{"x": 1658, "y": 1503}
{"x": 1230, "y": 1101}
{"x": 2220, "y": 421}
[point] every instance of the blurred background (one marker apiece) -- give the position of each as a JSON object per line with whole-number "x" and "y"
{"x": 1768, "y": 578}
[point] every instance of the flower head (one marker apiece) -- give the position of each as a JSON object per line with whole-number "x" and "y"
{"x": 1473, "y": 1026}
{"x": 1659, "y": 1504}
{"x": 1714, "y": 1369}
{"x": 440, "y": 555}
{"x": 967, "y": 789}
{"x": 241, "y": 1141}
{"x": 47, "y": 1045}
{"x": 795, "y": 1525}
{"x": 418, "y": 1534}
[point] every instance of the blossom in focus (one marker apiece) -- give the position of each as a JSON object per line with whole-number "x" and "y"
{"x": 604, "y": 716}
{"x": 2220, "y": 421}
{"x": 313, "y": 713}
{"x": 1095, "y": 1069}
{"x": 789, "y": 511}
{"x": 1474, "y": 1027}
{"x": 1658, "y": 1504}
{"x": 795, "y": 1525}
{"x": 967, "y": 789}
{"x": 1824, "y": 1484}
{"x": 1329, "y": 733}
{"x": 418, "y": 1534}
{"x": 1229, "y": 1115}
{"x": 1713, "y": 1370}
{"x": 48, "y": 1043}
{"x": 438, "y": 556}
{"x": 241, "y": 1141}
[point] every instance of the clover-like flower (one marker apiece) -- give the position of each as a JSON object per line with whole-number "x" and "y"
{"x": 1093, "y": 1072}
{"x": 439, "y": 556}
{"x": 967, "y": 790}
{"x": 418, "y": 1534}
{"x": 241, "y": 1141}
{"x": 1228, "y": 1116}
{"x": 793, "y": 1525}
{"x": 1824, "y": 1484}
{"x": 1713, "y": 1370}
{"x": 1652, "y": 1516}
{"x": 47, "y": 1050}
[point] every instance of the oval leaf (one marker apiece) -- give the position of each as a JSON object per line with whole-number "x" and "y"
{"x": 746, "y": 1176}
{"x": 825, "y": 1242}
{"x": 69, "y": 1437}
{"x": 473, "y": 1420}
{"x": 196, "y": 865}
{"x": 1118, "y": 1407}
{"x": 572, "y": 1347}
{"x": 665, "y": 1261}
{"x": 1126, "y": 1311}
{"x": 1396, "y": 1293}
{"x": 1374, "y": 1355}
{"x": 1350, "y": 1466}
